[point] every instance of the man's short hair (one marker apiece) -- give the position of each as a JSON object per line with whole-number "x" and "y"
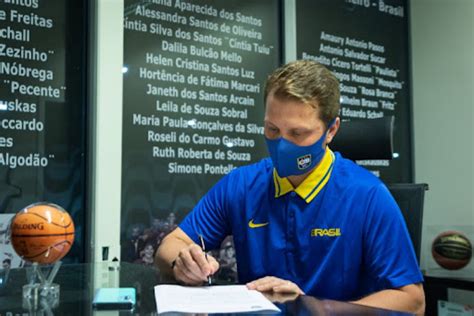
{"x": 308, "y": 82}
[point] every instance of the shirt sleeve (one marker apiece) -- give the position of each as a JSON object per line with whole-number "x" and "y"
{"x": 209, "y": 217}
{"x": 389, "y": 255}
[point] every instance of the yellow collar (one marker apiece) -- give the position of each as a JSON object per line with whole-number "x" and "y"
{"x": 314, "y": 182}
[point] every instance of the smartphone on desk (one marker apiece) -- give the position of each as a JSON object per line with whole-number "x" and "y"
{"x": 114, "y": 298}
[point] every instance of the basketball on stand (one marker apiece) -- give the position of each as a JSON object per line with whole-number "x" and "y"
{"x": 42, "y": 232}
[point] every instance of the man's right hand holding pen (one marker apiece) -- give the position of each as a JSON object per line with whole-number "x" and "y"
{"x": 193, "y": 267}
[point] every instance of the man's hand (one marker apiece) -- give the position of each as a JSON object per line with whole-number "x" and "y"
{"x": 280, "y": 297}
{"x": 191, "y": 266}
{"x": 274, "y": 284}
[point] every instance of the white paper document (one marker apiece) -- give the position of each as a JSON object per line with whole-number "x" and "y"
{"x": 211, "y": 299}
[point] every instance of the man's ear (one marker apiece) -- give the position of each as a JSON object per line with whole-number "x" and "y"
{"x": 333, "y": 130}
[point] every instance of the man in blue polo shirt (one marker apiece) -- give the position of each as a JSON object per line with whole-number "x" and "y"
{"x": 305, "y": 220}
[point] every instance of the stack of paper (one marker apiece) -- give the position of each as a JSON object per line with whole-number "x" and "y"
{"x": 211, "y": 299}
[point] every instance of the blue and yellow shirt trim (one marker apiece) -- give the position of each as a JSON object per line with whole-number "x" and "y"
{"x": 312, "y": 185}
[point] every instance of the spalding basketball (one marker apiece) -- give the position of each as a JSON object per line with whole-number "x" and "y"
{"x": 42, "y": 232}
{"x": 451, "y": 250}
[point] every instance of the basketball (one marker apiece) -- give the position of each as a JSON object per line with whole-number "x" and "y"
{"x": 42, "y": 233}
{"x": 451, "y": 250}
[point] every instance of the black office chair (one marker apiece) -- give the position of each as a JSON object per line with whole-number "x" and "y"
{"x": 373, "y": 139}
{"x": 365, "y": 139}
{"x": 410, "y": 198}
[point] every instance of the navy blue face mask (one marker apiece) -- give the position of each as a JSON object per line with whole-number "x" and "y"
{"x": 291, "y": 160}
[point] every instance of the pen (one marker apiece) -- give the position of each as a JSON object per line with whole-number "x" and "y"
{"x": 203, "y": 246}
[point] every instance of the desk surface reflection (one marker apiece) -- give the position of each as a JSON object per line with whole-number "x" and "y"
{"x": 78, "y": 283}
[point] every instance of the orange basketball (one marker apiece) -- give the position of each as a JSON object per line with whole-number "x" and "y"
{"x": 42, "y": 232}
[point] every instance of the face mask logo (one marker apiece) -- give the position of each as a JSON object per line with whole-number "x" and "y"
{"x": 304, "y": 162}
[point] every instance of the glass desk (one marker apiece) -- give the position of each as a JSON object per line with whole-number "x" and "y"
{"x": 78, "y": 283}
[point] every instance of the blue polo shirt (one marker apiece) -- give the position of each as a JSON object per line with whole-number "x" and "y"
{"x": 338, "y": 235}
